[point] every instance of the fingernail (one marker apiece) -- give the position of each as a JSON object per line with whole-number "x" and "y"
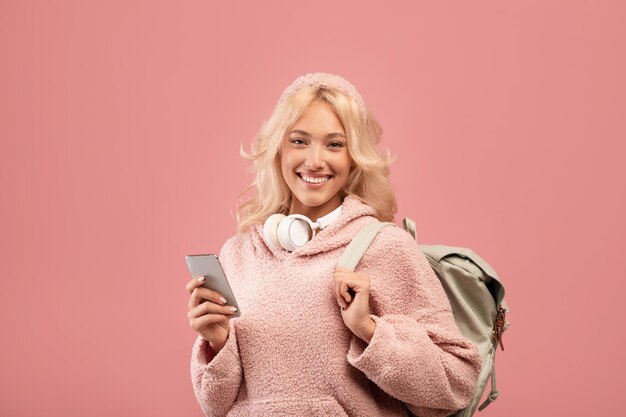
{"x": 233, "y": 309}
{"x": 223, "y": 300}
{"x": 201, "y": 279}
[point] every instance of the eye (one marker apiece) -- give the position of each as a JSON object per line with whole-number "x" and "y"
{"x": 295, "y": 140}
{"x": 338, "y": 145}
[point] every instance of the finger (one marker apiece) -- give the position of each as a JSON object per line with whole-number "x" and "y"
{"x": 337, "y": 291}
{"x": 203, "y": 321}
{"x": 341, "y": 302}
{"x": 210, "y": 308}
{"x": 338, "y": 283}
{"x": 193, "y": 283}
{"x": 357, "y": 283}
{"x": 342, "y": 275}
{"x": 344, "y": 291}
{"x": 201, "y": 293}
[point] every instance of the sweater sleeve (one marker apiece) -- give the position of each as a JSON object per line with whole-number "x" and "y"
{"x": 216, "y": 377}
{"x": 417, "y": 354}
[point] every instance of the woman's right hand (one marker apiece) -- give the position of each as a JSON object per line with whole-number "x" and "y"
{"x": 208, "y": 315}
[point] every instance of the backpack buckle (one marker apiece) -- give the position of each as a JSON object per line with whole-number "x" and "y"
{"x": 498, "y": 326}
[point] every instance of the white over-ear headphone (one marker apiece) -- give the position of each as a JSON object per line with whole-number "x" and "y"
{"x": 292, "y": 231}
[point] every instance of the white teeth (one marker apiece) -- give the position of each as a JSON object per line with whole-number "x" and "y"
{"x": 314, "y": 180}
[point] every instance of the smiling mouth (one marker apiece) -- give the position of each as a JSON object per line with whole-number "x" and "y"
{"x": 314, "y": 180}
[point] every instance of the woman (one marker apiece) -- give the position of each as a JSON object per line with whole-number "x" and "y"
{"x": 313, "y": 339}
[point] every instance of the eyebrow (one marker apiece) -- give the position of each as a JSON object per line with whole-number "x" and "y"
{"x": 328, "y": 136}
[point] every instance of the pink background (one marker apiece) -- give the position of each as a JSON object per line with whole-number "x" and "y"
{"x": 120, "y": 126}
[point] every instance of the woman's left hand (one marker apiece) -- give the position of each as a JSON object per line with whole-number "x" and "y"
{"x": 352, "y": 291}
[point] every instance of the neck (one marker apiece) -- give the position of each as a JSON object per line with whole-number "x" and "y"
{"x": 315, "y": 212}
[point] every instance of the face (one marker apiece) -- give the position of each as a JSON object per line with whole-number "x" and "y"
{"x": 315, "y": 161}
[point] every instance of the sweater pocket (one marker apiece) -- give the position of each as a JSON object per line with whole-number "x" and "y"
{"x": 300, "y": 407}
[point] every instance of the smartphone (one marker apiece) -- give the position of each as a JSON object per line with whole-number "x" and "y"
{"x": 208, "y": 266}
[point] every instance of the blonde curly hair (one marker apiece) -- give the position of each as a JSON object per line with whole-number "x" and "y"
{"x": 369, "y": 176}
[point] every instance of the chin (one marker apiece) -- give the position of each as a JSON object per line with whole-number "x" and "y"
{"x": 315, "y": 200}
{"x": 312, "y": 202}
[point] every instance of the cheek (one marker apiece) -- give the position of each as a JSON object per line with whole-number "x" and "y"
{"x": 346, "y": 165}
{"x": 286, "y": 164}
{"x": 284, "y": 170}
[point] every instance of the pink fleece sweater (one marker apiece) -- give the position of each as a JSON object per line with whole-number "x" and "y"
{"x": 290, "y": 354}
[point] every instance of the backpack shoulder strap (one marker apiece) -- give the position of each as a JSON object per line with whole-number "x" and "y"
{"x": 410, "y": 226}
{"x": 357, "y": 248}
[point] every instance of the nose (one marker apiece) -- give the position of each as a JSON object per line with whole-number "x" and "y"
{"x": 315, "y": 157}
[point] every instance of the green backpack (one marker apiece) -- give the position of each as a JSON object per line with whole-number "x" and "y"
{"x": 475, "y": 293}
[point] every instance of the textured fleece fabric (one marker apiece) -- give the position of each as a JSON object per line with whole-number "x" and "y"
{"x": 290, "y": 354}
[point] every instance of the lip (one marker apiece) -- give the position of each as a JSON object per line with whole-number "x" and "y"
{"x": 314, "y": 174}
{"x": 310, "y": 185}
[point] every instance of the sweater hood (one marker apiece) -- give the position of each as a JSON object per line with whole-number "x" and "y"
{"x": 354, "y": 215}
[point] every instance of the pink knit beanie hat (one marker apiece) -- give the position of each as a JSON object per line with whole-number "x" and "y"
{"x": 327, "y": 80}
